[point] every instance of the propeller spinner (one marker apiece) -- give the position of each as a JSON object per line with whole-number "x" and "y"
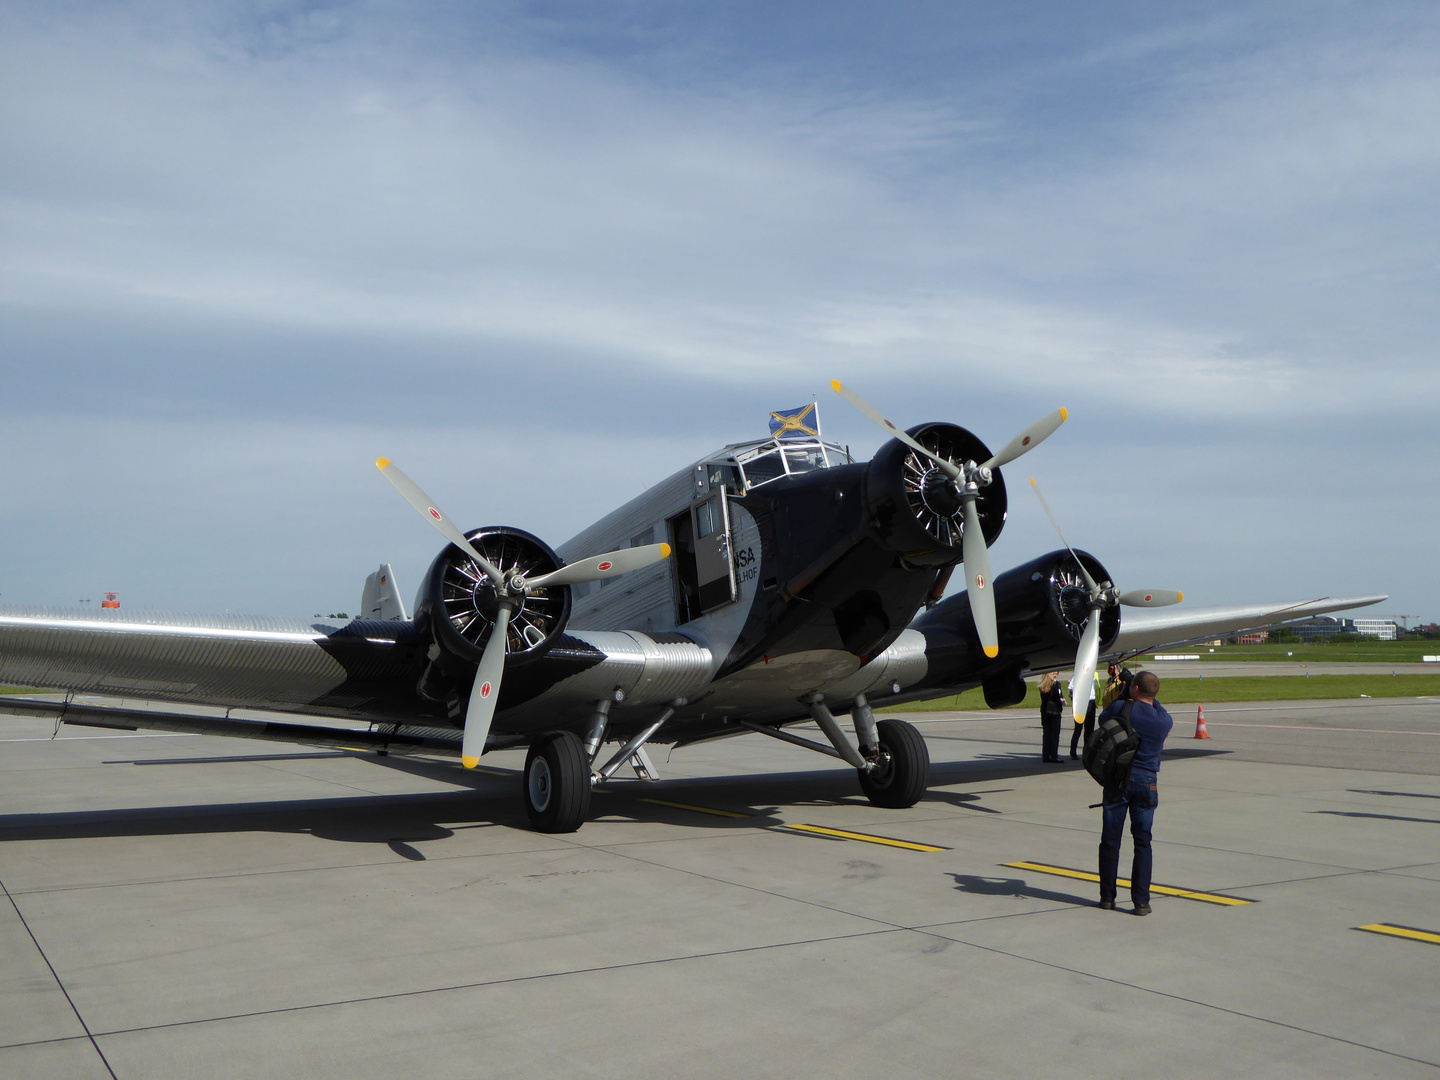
{"x": 510, "y": 592}
{"x": 1098, "y": 597}
{"x": 964, "y": 481}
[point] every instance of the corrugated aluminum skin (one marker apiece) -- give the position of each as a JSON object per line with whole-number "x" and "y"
{"x": 647, "y": 671}
{"x": 642, "y": 600}
{"x": 903, "y": 662}
{"x": 203, "y": 659}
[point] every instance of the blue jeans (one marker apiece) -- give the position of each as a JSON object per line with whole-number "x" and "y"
{"x": 1139, "y": 800}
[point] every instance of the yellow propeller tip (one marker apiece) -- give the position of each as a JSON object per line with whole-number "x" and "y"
{"x": 992, "y": 651}
{"x": 664, "y": 551}
{"x": 1032, "y": 481}
{"x": 469, "y": 762}
{"x": 1179, "y": 597}
{"x": 382, "y": 463}
{"x": 1064, "y": 414}
{"x": 835, "y": 385}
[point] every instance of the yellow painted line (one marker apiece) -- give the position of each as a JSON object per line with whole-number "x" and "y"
{"x": 1402, "y": 932}
{"x": 841, "y": 834}
{"x": 697, "y": 809}
{"x": 1163, "y": 890}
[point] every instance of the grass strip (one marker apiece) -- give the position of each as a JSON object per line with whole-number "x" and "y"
{"x": 1343, "y": 652}
{"x": 1234, "y": 688}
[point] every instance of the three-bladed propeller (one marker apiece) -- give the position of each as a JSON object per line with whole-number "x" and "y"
{"x": 509, "y": 593}
{"x": 968, "y": 478}
{"x": 1098, "y": 598}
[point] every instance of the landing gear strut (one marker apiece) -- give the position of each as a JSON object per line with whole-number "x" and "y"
{"x": 902, "y": 769}
{"x": 557, "y": 783}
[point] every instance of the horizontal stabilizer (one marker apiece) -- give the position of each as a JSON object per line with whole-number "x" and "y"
{"x": 1150, "y": 628}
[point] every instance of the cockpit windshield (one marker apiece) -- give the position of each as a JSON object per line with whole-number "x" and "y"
{"x": 770, "y": 460}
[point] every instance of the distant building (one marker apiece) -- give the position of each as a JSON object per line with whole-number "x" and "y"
{"x": 1322, "y": 626}
{"x": 1384, "y": 629}
{"x": 1253, "y": 637}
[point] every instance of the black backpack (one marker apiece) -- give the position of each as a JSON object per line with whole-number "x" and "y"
{"x": 1111, "y": 750}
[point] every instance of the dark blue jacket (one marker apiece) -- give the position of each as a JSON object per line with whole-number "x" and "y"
{"x": 1152, "y": 723}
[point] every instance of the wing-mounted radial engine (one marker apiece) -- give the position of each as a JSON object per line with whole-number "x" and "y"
{"x": 493, "y": 589}
{"x": 1100, "y": 599}
{"x": 1043, "y": 612}
{"x": 460, "y": 605}
{"x": 945, "y": 473}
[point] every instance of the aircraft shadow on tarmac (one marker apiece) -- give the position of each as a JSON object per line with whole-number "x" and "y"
{"x": 1381, "y": 817}
{"x": 485, "y": 800}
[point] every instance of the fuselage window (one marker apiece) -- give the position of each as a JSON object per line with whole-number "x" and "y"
{"x": 643, "y": 539}
{"x": 707, "y": 518}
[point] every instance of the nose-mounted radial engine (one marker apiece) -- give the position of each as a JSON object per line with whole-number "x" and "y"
{"x": 499, "y": 592}
{"x": 952, "y": 496}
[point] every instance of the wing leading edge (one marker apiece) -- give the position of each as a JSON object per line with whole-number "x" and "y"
{"x": 1149, "y": 628}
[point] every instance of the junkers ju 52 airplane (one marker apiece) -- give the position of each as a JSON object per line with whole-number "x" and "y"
{"x": 772, "y": 582}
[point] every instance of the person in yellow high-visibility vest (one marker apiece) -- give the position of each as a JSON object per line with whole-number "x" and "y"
{"x": 1102, "y": 696}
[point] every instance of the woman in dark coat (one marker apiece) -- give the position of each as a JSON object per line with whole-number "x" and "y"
{"x": 1052, "y": 706}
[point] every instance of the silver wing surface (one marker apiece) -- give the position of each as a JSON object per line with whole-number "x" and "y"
{"x": 1142, "y": 629}
{"x": 351, "y": 684}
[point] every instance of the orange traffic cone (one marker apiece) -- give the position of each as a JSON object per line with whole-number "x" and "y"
{"x": 1200, "y": 732}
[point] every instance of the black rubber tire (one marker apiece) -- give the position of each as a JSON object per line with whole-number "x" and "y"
{"x": 556, "y": 783}
{"x": 904, "y": 771}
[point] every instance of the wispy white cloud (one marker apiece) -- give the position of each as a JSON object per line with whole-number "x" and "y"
{"x": 1228, "y": 217}
{"x": 285, "y": 175}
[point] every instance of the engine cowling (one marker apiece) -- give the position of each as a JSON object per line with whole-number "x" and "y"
{"x": 914, "y": 505}
{"x": 458, "y": 607}
{"x": 1041, "y": 609}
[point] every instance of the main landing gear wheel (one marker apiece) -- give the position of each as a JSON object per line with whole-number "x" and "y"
{"x": 903, "y": 772}
{"x": 556, "y": 784}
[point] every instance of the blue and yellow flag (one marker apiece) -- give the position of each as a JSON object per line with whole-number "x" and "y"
{"x": 801, "y": 423}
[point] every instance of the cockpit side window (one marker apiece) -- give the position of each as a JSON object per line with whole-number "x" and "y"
{"x": 764, "y": 468}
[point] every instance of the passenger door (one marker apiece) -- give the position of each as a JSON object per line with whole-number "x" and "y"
{"x": 714, "y": 566}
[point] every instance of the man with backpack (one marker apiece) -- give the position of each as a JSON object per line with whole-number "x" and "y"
{"x": 1130, "y": 737}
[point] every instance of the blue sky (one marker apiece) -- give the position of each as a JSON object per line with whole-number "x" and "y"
{"x": 542, "y": 255}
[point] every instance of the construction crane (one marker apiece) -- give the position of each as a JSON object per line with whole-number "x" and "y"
{"x": 1404, "y": 620}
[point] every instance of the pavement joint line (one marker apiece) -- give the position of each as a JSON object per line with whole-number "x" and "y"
{"x": 1188, "y": 1001}
{"x": 43, "y": 1042}
{"x": 272, "y": 873}
{"x": 483, "y": 984}
{"x": 845, "y": 834}
{"x": 750, "y": 888}
{"x": 1409, "y": 932}
{"x": 89, "y": 1035}
{"x": 1163, "y": 890}
{"x": 697, "y": 809}
{"x": 1315, "y": 730}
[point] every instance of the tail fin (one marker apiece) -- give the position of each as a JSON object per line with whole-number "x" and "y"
{"x": 381, "y": 599}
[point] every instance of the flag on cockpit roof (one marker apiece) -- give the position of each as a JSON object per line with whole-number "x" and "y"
{"x": 801, "y": 423}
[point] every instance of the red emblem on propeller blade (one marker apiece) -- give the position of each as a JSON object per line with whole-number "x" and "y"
{"x": 435, "y": 513}
{"x": 979, "y": 581}
{"x": 605, "y": 566}
{"x": 484, "y": 690}
{"x": 1148, "y": 598}
{"x": 1025, "y": 441}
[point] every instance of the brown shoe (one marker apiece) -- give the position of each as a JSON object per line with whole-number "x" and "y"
{"x": 1109, "y": 905}
{"x": 1141, "y": 909}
